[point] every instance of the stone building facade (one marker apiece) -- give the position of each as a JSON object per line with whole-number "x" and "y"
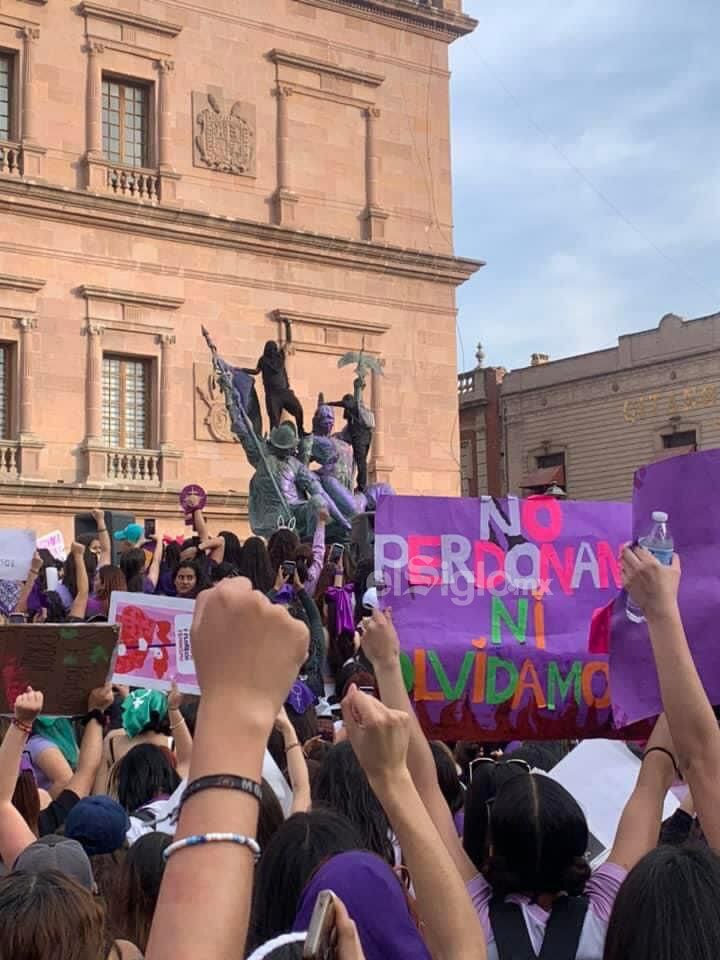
{"x": 588, "y": 422}
{"x": 165, "y": 164}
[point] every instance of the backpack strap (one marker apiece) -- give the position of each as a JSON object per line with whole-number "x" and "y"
{"x": 510, "y": 931}
{"x": 564, "y": 928}
{"x": 562, "y": 933}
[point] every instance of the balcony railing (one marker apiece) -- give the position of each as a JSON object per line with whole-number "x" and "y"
{"x": 133, "y": 466}
{"x": 10, "y": 159}
{"x": 9, "y": 459}
{"x": 466, "y": 383}
{"x": 134, "y": 182}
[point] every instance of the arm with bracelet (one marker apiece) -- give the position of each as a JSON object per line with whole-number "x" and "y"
{"x": 210, "y": 868}
{"x": 15, "y": 834}
{"x": 296, "y": 764}
{"x": 180, "y": 732}
{"x": 21, "y": 606}
{"x": 104, "y": 538}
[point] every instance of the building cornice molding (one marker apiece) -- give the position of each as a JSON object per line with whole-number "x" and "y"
{"x": 44, "y": 201}
{"x": 65, "y": 498}
{"x": 288, "y": 59}
{"x": 368, "y": 327}
{"x": 90, "y": 292}
{"x": 89, "y": 8}
{"x": 26, "y": 284}
{"x": 405, "y": 14}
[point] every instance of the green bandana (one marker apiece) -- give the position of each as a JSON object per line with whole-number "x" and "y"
{"x": 138, "y": 709}
{"x": 60, "y": 731}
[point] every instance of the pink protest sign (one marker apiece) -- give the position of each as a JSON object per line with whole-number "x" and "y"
{"x": 154, "y": 642}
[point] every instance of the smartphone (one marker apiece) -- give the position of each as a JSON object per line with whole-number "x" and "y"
{"x": 149, "y": 528}
{"x": 321, "y": 936}
{"x": 288, "y": 568}
{"x": 326, "y": 729}
{"x": 336, "y": 553}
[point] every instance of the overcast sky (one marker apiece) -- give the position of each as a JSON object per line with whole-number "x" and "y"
{"x": 629, "y": 92}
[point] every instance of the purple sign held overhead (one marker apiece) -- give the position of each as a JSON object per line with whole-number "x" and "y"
{"x": 493, "y": 601}
{"x": 686, "y": 488}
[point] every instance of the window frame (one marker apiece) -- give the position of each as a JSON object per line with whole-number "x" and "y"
{"x": 13, "y": 59}
{"x": 147, "y": 364}
{"x": 7, "y": 396}
{"x": 147, "y": 144}
{"x": 557, "y": 455}
{"x": 682, "y": 435}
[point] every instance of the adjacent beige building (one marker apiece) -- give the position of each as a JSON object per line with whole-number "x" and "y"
{"x": 165, "y": 164}
{"x": 588, "y": 422}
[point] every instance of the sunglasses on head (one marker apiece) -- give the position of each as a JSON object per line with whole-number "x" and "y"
{"x": 474, "y": 764}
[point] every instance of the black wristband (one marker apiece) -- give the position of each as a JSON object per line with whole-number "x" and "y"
{"x": 667, "y": 754}
{"x": 94, "y": 715}
{"x": 223, "y": 781}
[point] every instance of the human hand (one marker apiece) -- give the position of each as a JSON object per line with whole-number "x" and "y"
{"x": 36, "y": 563}
{"x": 77, "y": 549}
{"x": 98, "y": 516}
{"x": 652, "y": 586}
{"x": 348, "y": 940}
{"x": 379, "y": 736}
{"x": 100, "y": 698}
{"x": 323, "y": 515}
{"x": 206, "y": 545}
{"x": 282, "y": 722}
{"x": 28, "y": 706}
{"x": 297, "y": 582}
{"x": 193, "y": 501}
{"x": 279, "y": 579}
{"x": 122, "y": 689}
{"x": 174, "y": 697}
{"x": 268, "y": 647}
{"x": 379, "y": 638}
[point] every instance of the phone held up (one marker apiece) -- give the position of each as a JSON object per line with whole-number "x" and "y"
{"x": 321, "y": 940}
{"x": 288, "y": 568}
{"x": 149, "y": 529}
{"x": 336, "y": 553}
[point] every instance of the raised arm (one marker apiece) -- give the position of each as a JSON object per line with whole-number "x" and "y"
{"x": 153, "y": 573}
{"x": 691, "y": 719}
{"x": 244, "y": 684}
{"x": 91, "y": 745}
{"x": 382, "y": 646}
{"x": 103, "y": 537}
{"x": 180, "y": 731}
{"x": 318, "y": 549}
{"x": 214, "y": 547}
{"x": 379, "y": 737}
{"x": 15, "y": 834}
{"x": 296, "y": 764}
{"x": 639, "y": 827}
{"x": 79, "y": 604}
{"x": 21, "y": 605}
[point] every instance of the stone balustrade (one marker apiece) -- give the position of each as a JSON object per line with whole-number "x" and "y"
{"x": 133, "y": 466}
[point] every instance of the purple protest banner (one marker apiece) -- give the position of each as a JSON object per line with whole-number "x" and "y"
{"x": 686, "y": 488}
{"x": 493, "y": 601}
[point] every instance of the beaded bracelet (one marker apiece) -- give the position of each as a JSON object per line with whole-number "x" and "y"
{"x": 200, "y": 838}
{"x": 223, "y": 781}
{"x": 21, "y": 725}
{"x": 292, "y": 747}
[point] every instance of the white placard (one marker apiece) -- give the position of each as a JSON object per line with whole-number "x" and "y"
{"x": 601, "y": 775}
{"x": 54, "y": 542}
{"x": 16, "y": 552}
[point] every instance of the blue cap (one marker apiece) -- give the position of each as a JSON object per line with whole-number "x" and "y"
{"x": 132, "y": 532}
{"x": 99, "y": 824}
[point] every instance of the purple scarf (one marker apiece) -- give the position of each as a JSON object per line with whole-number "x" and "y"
{"x": 344, "y": 614}
{"x": 375, "y": 901}
{"x": 301, "y": 697}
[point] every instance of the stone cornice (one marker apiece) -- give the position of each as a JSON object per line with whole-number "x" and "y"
{"x": 27, "y": 284}
{"x": 46, "y": 202}
{"x": 370, "y": 327}
{"x": 288, "y": 59}
{"x": 89, "y": 8}
{"x": 405, "y": 14}
{"x": 130, "y": 296}
{"x": 66, "y": 499}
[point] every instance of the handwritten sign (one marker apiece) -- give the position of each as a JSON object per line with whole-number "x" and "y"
{"x": 493, "y": 601}
{"x": 66, "y": 662}
{"x": 16, "y": 552}
{"x": 154, "y": 642}
{"x": 54, "y": 542}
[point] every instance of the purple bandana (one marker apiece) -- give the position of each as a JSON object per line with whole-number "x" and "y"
{"x": 343, "y": 597}
{"x": 301, "y": 697}
{"x": 285, "y": 595}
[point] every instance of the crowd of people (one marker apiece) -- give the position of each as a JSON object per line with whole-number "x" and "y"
{"x": 296, "y": 809}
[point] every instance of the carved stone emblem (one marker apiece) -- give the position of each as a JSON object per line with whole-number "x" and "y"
{"x": 224, "y": 135}
{"x": 216, "y": 419}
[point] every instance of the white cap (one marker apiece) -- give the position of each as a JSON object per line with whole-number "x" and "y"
{"x": 659, "y": 516}
{"x": 370, "y": 598}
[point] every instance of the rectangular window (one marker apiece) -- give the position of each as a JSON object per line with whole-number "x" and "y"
{"x": 124, "y": 123}
{"x": 6, "y": 72}
{"x": 683, "y": 438}
{"x": 126, "y": 403}
{"x": 547, "y": 460}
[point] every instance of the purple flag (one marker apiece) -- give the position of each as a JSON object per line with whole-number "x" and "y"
{"x": 686, "y": 488}
{"x": 493, "y": 601}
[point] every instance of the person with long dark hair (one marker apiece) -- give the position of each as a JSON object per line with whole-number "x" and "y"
{"x": 278, "y": 395}
{"x": 255, "y": 564}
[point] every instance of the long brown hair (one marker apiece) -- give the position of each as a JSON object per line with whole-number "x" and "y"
{"x": 26, "y": 799}
{"x": 137, "y": 888}
{"x": 111, "y": 578}
{"x": 46, "y": 915}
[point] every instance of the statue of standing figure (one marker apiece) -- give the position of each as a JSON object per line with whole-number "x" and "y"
{"x": 360, "y": 421}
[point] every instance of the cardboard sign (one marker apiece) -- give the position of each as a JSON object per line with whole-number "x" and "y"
{"x": 54, "y": 542}
{"x": 65, "y": 661}
{"x": 685, "y": 487}
{"x": 493, "y": 601}
{"x": 154, "y": 642}
{"x": 16, "y": 552}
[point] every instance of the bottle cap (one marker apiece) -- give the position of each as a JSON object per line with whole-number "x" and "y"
{"x": 659, "y": 516}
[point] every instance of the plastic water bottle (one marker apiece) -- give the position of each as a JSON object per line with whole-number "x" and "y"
{"x": 659, "y": 543}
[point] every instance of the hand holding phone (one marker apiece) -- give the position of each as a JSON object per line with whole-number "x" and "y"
{"x": 288, "y": 568}
{"x": 149, "y": 529}
{"x": 336, "y": 554}
{"x": 321, "y": 936}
